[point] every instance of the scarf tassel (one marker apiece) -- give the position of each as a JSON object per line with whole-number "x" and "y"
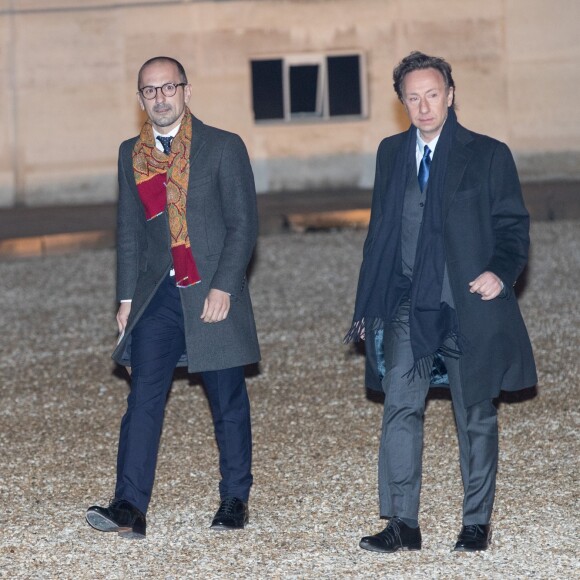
{"x": 360, "y": 328}
{"x": 424, "y": 366}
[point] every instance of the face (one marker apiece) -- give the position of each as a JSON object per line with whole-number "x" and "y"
{"x": 165, "y": 112}
{"x": 426, "y": 99}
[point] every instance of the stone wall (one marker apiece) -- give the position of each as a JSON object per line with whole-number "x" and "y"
{"x": 68, "y": 68}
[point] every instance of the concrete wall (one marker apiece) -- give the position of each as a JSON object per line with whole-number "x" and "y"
{"x": 68, "y": 68}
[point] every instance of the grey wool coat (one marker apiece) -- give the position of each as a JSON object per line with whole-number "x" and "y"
{"x": 222, "y": 222}
{"x": 485, "y": 228}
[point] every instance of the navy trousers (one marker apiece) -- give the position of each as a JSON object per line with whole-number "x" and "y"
{"x": 157, "y": 343}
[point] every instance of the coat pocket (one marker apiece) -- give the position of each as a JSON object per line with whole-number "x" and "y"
{"x": 199, "y": 181}
{"x": 467, "y": 194}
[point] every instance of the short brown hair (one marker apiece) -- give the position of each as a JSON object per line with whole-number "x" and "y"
{"x": 419, "y": 61}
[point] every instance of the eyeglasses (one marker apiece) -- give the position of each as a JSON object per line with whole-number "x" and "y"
{"x": 168, "y": 90}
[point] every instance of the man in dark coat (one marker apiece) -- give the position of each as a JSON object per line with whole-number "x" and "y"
{"x": 447, "y": 240}
{"x": 187, "y": 227}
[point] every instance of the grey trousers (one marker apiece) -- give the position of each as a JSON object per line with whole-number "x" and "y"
{"x": 401, "y": 448}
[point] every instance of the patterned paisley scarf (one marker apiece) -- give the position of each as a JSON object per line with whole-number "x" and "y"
{"x": 162, "y": 183}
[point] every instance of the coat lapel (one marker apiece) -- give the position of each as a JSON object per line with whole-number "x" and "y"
{"x": 459, "y": 157}
{"x": 198, "y": 141}
{"x": 127, "y": 160}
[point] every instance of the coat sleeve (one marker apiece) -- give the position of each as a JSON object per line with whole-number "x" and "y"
{"x": 129, "y": 231}
{"x": 510, "y": 219}
{"x": 240, "y": 215}
{"x": 376, "y": 203}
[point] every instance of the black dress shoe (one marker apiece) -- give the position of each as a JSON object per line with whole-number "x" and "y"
{"x": 396, "y": 536}
{"x": 121, "y": 517}
{"x": 232, "y": 514}
{"x": 473, "y": 538}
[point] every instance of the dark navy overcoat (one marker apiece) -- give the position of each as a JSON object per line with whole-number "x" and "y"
{"x": 486, "y": 228}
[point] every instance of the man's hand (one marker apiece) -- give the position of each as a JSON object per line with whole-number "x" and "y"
{"x": 123, "y": 315}
{"x": 216, "y": 306}
{"x": 487, "y": 285}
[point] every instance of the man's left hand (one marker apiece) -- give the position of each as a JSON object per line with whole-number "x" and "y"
{"x": 216, "y": 306}
{"x": 487, "y": 285}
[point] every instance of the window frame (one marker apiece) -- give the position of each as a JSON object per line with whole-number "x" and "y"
{"x": 319, "y": 59}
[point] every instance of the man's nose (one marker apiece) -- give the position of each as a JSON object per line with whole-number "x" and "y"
{"x": 159, "y": 96}
{"x": 423, "y": 106}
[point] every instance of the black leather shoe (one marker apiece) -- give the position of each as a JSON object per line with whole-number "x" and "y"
{"x": 121, "y": 517}
{"x": 473, "y": 538}
{"x": 396, "y": 536}
{"x": 233, "y": 514}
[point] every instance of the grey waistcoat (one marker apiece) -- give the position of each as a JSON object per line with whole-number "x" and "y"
{"x": 413, "y": 206}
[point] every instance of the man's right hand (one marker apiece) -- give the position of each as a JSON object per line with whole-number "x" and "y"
{"x": 123, "y": 315}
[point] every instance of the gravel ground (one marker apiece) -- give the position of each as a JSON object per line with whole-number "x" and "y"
{"x": 315, "y": 433}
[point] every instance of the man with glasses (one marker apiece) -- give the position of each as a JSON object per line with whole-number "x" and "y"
{"x": 447, "y": 240}
{"x": 187, "y": 227}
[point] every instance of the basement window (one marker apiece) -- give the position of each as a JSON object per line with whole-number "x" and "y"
{"x": 308, "y": 87}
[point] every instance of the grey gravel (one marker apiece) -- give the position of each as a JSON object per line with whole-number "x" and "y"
{"x": 315, "y": 433}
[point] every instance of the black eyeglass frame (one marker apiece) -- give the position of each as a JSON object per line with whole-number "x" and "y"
{"x": 162, "y": 87}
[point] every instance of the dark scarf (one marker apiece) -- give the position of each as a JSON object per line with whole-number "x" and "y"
{"x": 382, "y": 285}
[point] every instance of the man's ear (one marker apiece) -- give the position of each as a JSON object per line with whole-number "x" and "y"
{"x": 140, "y": 100}
{"x": 187, "y": 93}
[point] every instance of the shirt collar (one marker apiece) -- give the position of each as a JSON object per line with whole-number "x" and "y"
{"x": 171, "y": 133}
{"x": 421, "y": 144}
